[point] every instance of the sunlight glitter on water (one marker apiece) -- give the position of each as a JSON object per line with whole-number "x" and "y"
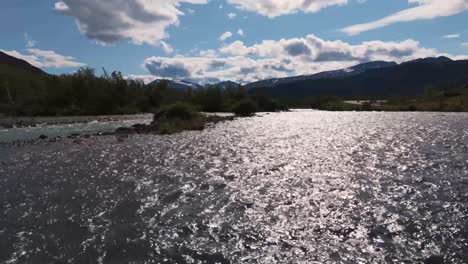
{"x": 296, "y": 187}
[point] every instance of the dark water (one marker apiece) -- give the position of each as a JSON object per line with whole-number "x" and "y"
{"x": 301, "y": 187}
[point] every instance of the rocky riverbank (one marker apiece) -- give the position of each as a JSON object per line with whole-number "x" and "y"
{"x": 120, "y": 133}
{"x": 13, "y": 121}
{"x": 154, "y": 129}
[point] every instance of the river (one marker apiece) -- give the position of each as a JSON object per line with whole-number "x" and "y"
{"x": 87, "y": 125}
{"x": 294, "y": 187}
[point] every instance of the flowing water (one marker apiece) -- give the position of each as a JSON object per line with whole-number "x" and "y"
{"x": 63, "y": 130}
{"x": 297, "y": 187}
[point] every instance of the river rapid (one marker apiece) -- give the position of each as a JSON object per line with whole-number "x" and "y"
{"x": 293, "y": 187}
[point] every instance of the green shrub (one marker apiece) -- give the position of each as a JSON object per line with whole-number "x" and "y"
{"x": 176, "y": 118}
{"x": 245, "y": 108}
{"x": 267, "y": 104}
{"x": 172, "y": 126}
{"x": 179, "y": 110}
{"x": 412, "y": 108}
{"x": 366, "y": 106}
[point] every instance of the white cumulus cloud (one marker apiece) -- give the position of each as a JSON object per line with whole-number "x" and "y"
{"x": 314, "y": 49}
{"x": 281, "y": 58}
{"x": 110, "y": 21}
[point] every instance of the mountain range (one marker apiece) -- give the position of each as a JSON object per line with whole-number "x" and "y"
{"x": 378, "y": 78}
{"x": 226, "y": 84}
{"x": 187, "y": 85}
{"x": 177, "y": 84}
{"x": 355, "y": 70}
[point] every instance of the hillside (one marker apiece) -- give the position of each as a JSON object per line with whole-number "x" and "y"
{"x": 341, "y": 73}
{"x": 226, "y": 84}
{"x": 406, "y": 79}
{"x": 6, "y": 59}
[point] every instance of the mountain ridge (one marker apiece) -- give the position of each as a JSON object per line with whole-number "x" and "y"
{"x": 377, "y": 78}
{"x": 226, "y": 84}
{"x": 359, "y": 68}
{"x": 406, "y": 79}
{"x": 176, "y": 84}
{"x": 6, "y": 59}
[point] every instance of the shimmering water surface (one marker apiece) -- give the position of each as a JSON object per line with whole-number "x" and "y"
{"x": 63, "y": 130}
{"x": 298, "y": 187}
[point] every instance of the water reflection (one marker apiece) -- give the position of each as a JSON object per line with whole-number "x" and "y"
{"x": 301, "y": 187}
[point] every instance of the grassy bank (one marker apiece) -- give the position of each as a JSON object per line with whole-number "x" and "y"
{"x": 451, "y": 99}
{"x": 458, "y": 103}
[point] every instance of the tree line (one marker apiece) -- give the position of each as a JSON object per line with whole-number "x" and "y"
{"x": 84, "y": 93}
{"x": 24, "y": 93}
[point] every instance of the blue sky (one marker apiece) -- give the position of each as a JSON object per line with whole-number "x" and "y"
{"x": 181, "y": 39}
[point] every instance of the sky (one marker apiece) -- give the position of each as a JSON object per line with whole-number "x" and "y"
{"x": 207, "y": 41}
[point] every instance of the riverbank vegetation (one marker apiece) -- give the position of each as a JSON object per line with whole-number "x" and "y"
{"x": 174, "y": 118}
{"x": 445, "y": 98}
{"x": 245, "y": 108}
{"x": 24, "y": 93}
{"x": 177, "y": 117}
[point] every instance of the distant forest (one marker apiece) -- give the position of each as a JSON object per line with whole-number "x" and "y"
{"x": 27, "y": 93}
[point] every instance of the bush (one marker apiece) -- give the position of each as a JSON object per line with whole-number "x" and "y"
{"x": 267, "y": 104}
{"x": 182, "y": 111}
{"x": 412, "y": 108}
{"x": 179, "y": 125}
{"x": 176, "y": 118}
{"x": 245, "y": 108}
{"x": 366, "y": 106}
{"x": 273, "y": 106}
